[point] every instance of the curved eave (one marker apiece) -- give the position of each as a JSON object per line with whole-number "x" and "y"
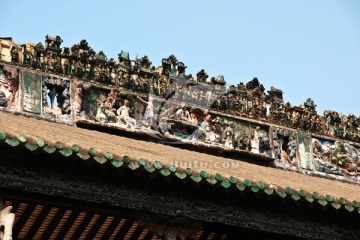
{"x": 172, "y": 161}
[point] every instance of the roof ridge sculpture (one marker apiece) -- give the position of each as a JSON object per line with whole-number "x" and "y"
{"x": 78, "y": 85}
{"x": 83, "y": 62}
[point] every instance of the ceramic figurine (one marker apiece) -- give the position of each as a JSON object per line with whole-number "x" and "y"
{"x": 100, "y": 115}
{"x": 149, "y": 111}
{"x": 124, "y": 116}
{"x": 227, "y": 137}
{"x": 254, "y": 140}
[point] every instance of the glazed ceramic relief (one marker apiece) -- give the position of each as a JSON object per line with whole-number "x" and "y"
{"x": 9, "y": 87}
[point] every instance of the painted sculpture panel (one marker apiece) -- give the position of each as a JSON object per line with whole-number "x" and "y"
{"x": 285, "y": 147}
{"x": 305, "y": 152}
{"x": 9, "y": 87}
{"x": 338, "y": 158}
{"x": 56, "y": 98}
{"x": 31, "y": 92}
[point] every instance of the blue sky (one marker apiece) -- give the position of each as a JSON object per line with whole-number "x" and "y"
{"x": 306, "y": 48}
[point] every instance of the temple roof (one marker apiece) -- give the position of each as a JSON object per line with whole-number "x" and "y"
{"x": 170, "y": 160}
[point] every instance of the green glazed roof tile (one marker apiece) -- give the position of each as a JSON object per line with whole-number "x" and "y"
{"x": 232, "y": 180}
{"x": 261, "y": 185}
{"x": 149, "y": 168}
{"x": 133, "y": 165}
{"x": 342, "y": 201}
{"x": 218, "y": 176}
{"x": 59, "y": 145}
{"x": 100, "y": 159}
{"x": 295, "y": 196}
{"x": 255, "y": 189}
{"x": 142, "y": 162}
{"x": 269, "y": 191}
{"x": 328, "y": 198}
{"x": 12, "y": 142}
{"x": 92, "y": 151}
{"x": 49, "y": 149}
{"x": 247, "y": 182}
{"x": 350, "y": 208}
{"x": 40, "y": 142}
{"x": 83, "y": 156}
{"x": 31, "y": 146}
{"x": 117, "y": 163}
{"x": 188, "y": 171}
{"x": 157, "y": 165}
{"x": 336, "y": 205}
{"x": 172, "y": 168}
{"x": 196, "y": 179}
{"x": 2, "y": 135}
{"x": 288, "y": 190}
{"x": 165, "y": 172}
{"x": 225, "y": 184}
{"x": 22, "y": 138}
{"x": 204, "y": 174}
{"x": 66, "y": 152}
{"x": 181, "y": 175}
{"x": 322, "y": 202}
{"x": 211, "y": 180}
{"x": 108, "y": 155}
{"x": 126, "y": 159}
{"x": 75, "y": 148}
{"x": 240, "y": 186}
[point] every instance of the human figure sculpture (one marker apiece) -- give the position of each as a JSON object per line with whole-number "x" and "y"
{"x": 193, "y": 118}
{"x": 227, "y": 137}
{"x": 14, "y": 55}
{"x": 254, "y": 140}
{"x": 200, "y": 131}
{"x": 72, "y": 69}
{"x": 124, "y": 116}
{"x": 78, "y": 98}
{"x": 52, "y": 95}
{"x": 3, "y": 98}
{"x": 109, "y": 109}
{"x": 41, "y": 61}
{"x": 26, "y": 56}
{"x": 65, "y": 96}
{"x": 210, "y": 135}
{"x": 206, "y": 130}
{"x": 149, "y": 111}
{"x": 100, "y": 114}
{"x": 50, "y": 64}
{"x": 182, "y": 113}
